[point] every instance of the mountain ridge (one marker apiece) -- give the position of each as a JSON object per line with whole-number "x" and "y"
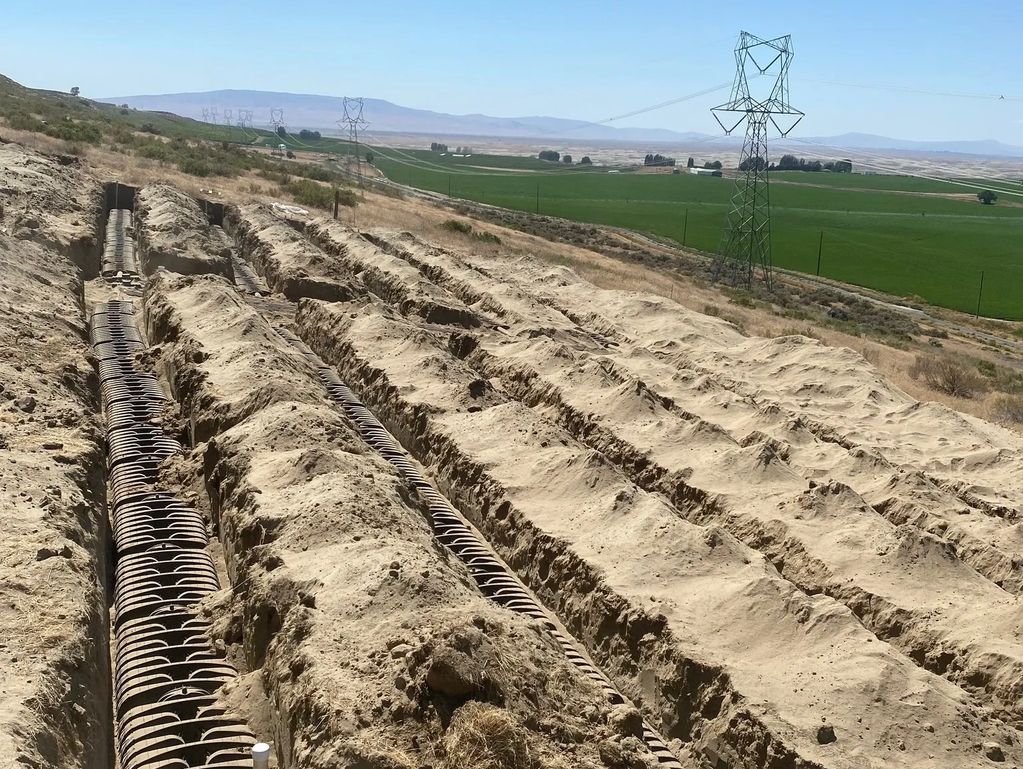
{"x": 320, "y": 112}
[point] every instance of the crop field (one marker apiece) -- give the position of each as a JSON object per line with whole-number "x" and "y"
{"x": 876, "y": 232}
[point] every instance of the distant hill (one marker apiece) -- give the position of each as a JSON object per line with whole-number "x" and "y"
{"x": 321, "y": 113}
{"x": 873, "y": 142}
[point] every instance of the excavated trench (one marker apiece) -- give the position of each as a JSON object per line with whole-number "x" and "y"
{"x": 166, "y": 670}
{"x": 491, "y": 575}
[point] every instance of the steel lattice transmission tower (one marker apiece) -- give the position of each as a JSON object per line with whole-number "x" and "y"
{"x": 276, "y": 118}
{"x": 746, "y": 242}
{"x": 352, "y": 118}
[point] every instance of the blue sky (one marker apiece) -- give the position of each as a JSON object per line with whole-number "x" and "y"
{"x": 568, "y": 59}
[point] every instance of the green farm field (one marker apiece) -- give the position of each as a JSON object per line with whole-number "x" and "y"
{"x": 876, "y": 232}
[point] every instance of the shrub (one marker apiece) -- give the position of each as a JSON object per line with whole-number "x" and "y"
{"x": 315, "y": 195}
{"x": 1008, "y": 408}
{"x": 195, "y": 167}
{"x": 74, "y": 132}
{"x": 454, "y": 225}
{"x": 486, "y": 237}
{"x": 947, "y": 376}
{"x": 154, "y": 151}
{"x": 149, "y": 128}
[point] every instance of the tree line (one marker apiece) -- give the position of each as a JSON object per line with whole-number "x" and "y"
{"x": 658, "y": 160}
{"x": 554, "y": 156}
{"x": 792, "y": 163}
{"x": 438, "y": 147}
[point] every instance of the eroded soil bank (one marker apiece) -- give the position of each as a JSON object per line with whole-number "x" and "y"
{"x": 54, "y": 669}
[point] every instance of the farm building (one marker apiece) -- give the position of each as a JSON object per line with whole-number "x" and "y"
{"x": 705, "y": 171}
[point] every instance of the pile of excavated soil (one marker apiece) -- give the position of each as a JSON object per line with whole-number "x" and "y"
{"x": 289, "y": 263}
{"x": 785, "y": 542}
{"x": 174, "y": 233}
{"x": 54, "y": 670}
{"x": 373, "y": 645}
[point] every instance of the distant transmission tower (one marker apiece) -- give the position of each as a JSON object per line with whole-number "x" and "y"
{"x": 276, "y": 118}
{"x": 244, "y": 118}
{"x": 205, "y": 114}
{"x": 746, "y": 242}
{"x": 228, "y": 114}
{"x": 353, "y": 119}
{"x": 213, "y": 115}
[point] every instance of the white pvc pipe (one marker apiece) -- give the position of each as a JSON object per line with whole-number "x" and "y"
{"x": 260, "y": 756}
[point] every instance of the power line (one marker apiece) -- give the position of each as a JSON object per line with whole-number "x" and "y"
{"x": 922, "y": 91}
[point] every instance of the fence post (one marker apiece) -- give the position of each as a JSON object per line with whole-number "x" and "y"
{"x": 980, "y": 294}
{"x": 820, "y": 250}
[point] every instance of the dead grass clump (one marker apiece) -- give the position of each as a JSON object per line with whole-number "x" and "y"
{"x": 947, "y": 376}
{"x": 482, "y": 736}
{"x": 800, "y": 331}
{"x": 1008, "y": 408}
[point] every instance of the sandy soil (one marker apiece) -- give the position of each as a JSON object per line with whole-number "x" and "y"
{"x": 174, "y": 233}
{"x": 370, "y": 640}
{"x": 468, "y": 410}
{"x": 54, "y": 674}
{"x": 289, "y": 264}
{"x": 780, "y": 556}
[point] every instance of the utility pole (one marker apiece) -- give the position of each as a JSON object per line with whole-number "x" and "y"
{"x": 685, "y": 227}
{"x": 820, "y": 250}
{"x": 746, "y": 240}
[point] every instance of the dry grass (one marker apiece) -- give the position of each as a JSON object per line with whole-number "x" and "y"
{"x": 482, "y": 736}
{"x": 1008, "y": 408}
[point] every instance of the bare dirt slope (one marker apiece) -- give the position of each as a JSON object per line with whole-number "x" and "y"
{"x": 370, "y": 641}
{"x": 54, "y": 674}
{"x": 600, "y": 425}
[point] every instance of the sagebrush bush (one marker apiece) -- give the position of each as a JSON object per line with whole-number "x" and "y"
{"x": 457, "y": 226}
{"x": 946, "y": 375}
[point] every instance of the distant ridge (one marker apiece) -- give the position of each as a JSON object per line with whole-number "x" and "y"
{"x": 320, "y": 113}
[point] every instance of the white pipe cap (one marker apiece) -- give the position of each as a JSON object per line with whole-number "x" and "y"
{"x": 260, "y": 755}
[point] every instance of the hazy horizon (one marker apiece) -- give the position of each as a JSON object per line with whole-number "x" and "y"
{"x": 887, "y": 69}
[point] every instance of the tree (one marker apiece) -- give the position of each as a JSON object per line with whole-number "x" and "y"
{"x": 369, "y": 157}
{"x": 552, "y": 155}
{"x": 304, "y": 134}
{"x": 566, "y": 159}
{"x": 282, "y": 131}
{"x": 751, "y": 163}
{"x": 586, "y": 161}
{"x": 690, "y": 163}
{"x": 987, "y": 197}
{"x": 713, "y": 164}
{"x": 658, "y": 160}
{"x": 75, "y": 91}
